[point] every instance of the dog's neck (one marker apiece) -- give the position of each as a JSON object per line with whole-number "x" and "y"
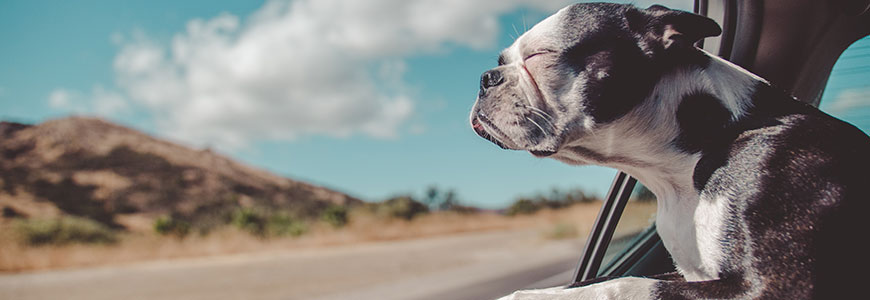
{"x": 730, "y": 85}
{"x": 642, "y": 143}
{"x": 688, "y": 219}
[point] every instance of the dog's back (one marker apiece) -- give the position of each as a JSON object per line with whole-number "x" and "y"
{"x": 803, "y": 175}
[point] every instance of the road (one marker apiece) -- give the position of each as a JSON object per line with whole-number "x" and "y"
{"x": 481, "y": 265}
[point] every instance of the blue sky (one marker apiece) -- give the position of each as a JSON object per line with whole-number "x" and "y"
{"x": 367, "y": 97}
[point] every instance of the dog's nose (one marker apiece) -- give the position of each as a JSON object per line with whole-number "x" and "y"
{"x": 490, "y": 79}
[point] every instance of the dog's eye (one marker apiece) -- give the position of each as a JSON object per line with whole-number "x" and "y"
{"x": 536, "y": 53}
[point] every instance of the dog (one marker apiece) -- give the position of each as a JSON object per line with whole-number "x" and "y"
{"x": 760, "y": 196}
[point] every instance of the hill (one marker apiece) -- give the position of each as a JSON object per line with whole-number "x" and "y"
{"x": 121, "y": 177}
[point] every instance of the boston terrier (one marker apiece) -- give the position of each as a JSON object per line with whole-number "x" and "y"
{"x": 760, "y": 196}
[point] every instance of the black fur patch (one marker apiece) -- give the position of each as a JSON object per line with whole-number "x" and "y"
{"x": 628, "y": 50}
{"x": 703, "y": 121}
{"x": 599, "y": 43}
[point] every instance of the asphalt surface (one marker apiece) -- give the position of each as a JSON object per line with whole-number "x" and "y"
{"x": 466, "y": 266}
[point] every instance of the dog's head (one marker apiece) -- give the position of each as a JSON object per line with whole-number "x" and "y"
{"x": 580, "y": 70}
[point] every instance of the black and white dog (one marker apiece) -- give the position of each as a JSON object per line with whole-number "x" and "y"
{"x": 760, "y": 196}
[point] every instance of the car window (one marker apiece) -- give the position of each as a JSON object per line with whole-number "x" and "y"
{"x": 847, "y": 94}
{"x": 639, "y": 214}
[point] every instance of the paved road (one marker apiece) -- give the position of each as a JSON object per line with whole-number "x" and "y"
{"x": 466, "y": 266}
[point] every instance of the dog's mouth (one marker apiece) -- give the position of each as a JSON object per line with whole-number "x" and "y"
{"x": 542, "y": 153}
{"x": 477, "y": 123}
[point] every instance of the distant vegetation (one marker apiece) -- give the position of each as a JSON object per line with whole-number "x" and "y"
{"x": 267, "y": 221}
{"x": 65, "y": 230}
{"x": 447, "y": 200}
{"x": 554, "y": 200}
{"x": 399, "y": 207}
{"x": 167, "y": 225}
{"x": 263, "y": 223}
{"x": 335, "y": 215}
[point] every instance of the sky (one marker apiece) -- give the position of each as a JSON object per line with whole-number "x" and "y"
{"x": 369, "y": 97}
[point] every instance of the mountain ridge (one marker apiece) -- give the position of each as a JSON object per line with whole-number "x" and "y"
{"x": 93, "y": 168}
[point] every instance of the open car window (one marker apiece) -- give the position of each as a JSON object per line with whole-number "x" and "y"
{"x": 847, "y": 94}
{"x": 639, "y": 214}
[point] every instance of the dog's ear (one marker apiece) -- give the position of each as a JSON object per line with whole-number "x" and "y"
{"x": 671, "y": 28}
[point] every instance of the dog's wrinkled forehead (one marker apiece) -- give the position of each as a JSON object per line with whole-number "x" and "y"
{"x": 573, "y": 25}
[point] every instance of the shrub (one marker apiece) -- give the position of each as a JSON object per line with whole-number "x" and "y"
{"x": 437, "y": 199}
{"x": 462, "y": 209}
{"x": 335, "y": 215}
{"x": 249, "y": 220}
{"x": 402, "y": 207}
{"x": 263, "y": 224}
{"x": 64, "y": 230}
{"x": 555, "y": 200}
{"x": 522, "y": 206}
{"x": 283, "y": 225}
{"x": 167, "y": 225}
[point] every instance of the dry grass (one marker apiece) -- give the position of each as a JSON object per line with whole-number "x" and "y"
{"x": 636, "y": 217}
{"x": 134, "y": 247}
{"x": 571, "y": 222}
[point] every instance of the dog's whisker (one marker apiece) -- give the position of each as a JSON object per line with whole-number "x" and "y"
{"x": 536, "y": 124}
{"x": 549, "y": 123}
{"x": 536, "y": 109}
{"x": 540, "y": 111}
{"x": 525, "y": 27}
{"x": 543, "y": 115}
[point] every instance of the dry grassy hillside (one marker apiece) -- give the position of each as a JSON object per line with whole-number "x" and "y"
{"x": 123, "y": 178}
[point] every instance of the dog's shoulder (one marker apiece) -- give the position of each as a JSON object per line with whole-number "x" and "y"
{"x": 801, "y": 132}
{"x": 797, "y": 177}
{"x": 780, "y": 136}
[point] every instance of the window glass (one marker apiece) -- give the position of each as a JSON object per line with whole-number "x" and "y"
{"x": 847, "y": 95}
{"x": 639, "y": 214}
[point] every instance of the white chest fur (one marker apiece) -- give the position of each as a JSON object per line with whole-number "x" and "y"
{"x": 691, "y": 227}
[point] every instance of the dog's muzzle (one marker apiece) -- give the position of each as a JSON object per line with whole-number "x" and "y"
{"x": 478, "y": 128}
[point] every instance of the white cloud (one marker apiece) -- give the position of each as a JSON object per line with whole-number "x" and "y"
{"x": 849, "y": 99}
{"x": 106, "y": 102}
{"x": 59, "y": 98}
{"x": 325, "y": 67}
{"x": 100, "y": 101}
{"x": 307, "y": 67}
